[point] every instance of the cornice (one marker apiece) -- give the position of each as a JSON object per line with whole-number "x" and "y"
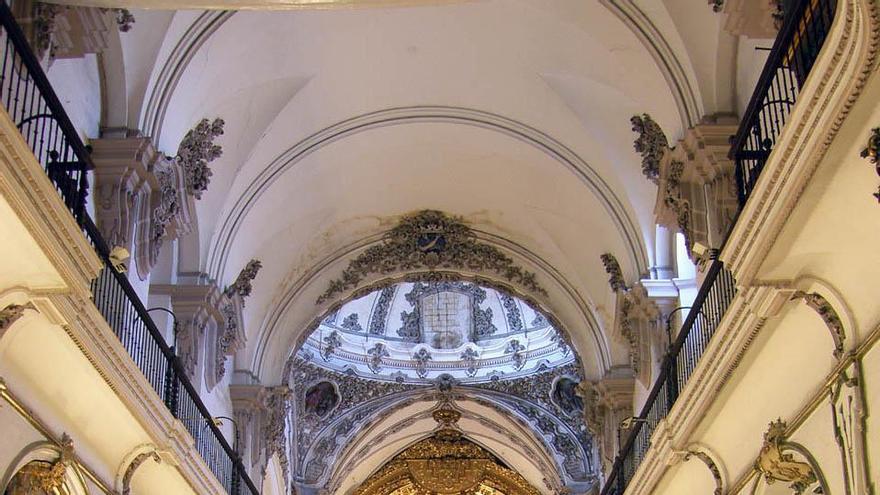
{"x": 88, "y": 329}
{"x": 29, "y": 192}
{"x": 834, "y": 85}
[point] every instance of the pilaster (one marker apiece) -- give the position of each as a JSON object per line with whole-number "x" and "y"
{"x": 697, "y": 185}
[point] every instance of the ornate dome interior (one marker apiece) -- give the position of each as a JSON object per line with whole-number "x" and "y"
{"x": 418, "y": 331}
{"x": 358, "y": 215}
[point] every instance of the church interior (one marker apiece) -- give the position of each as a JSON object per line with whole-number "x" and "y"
{"x": 439, "y": 247}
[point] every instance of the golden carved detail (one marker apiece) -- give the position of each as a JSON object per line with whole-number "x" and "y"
{"x": 445, "y": 464}
{"x": 41, "y": 477}
{"x": 777, "y": 465}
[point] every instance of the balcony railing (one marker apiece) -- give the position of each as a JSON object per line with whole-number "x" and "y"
{"x": 32, "y": 104}
{"x": 712, "y": 301}
{"x": 792, "y": 57}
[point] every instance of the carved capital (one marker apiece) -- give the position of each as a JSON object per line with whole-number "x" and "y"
{"x": 606, "y": 403}
{"x": 198, "y": 313}
{"x": 697, "y": 186}
{"x": 140, "y": 198}
{"x": 67, "y": 31}
{"x": 249, "y": 410}
{"x": 754, "y": 19}
{"x": 639, "y": 322}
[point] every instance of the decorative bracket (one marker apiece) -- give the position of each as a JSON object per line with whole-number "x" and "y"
{"x": 431, "y": 240}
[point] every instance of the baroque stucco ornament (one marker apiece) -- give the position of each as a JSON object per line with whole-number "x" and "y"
{"x": 832, "y": 320}
{"x": 615, "y": 274}
{"x": 431, "y": 240}
{"x": 243, "y": 283}
{"x": 11, "y": 313}
{"x": 651, "y": 144}
{"x": 777, "y": 465}
{"x": 872, "y": 153}
{"x": 43, "y": 478}
{"x": 196, "y": 150}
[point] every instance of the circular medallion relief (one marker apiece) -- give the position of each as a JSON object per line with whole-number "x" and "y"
{"x": 321, "y": 399}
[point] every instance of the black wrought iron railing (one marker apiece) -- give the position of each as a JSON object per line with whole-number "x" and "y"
{"x": 800, "y": 40}
{"x": 789, "y": 63}
{"x": 709, "y": 307}
{"x": 33, "y": 105}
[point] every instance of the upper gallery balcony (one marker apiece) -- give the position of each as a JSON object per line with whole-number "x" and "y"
{"x": 32, "y": 105}
{"x": 798, "y": 45}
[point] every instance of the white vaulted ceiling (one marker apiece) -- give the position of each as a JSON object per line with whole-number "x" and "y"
{"x": 512, "y": 114}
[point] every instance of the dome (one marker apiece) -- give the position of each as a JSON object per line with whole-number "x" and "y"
{"x": 416, "y": 332}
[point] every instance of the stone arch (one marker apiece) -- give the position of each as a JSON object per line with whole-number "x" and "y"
{"x": 229, "y": 227}
{"x": 46, "y": 455}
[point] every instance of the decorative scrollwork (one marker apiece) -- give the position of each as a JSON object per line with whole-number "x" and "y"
{"x": 826, "y": 311}
{"x": 243, "y": 283}
{"x": 514, "y": 321}
{"x": 515, "y": 348}
{"x": 380, "y": 314}
{"x": 651, "y": 144}
{"x": 713, "y": 468}
{"x": 331, "y": 342}
{"x": 430, "y": 240}
{"x": 377, "y": 353}
{"x": 11, "y": 313}
{"x": 421, "y": 358}
{"x": 277, "y": 407}
{"x": 469, "y": 357}
{"x": 351, "y": 323}
{"x": 871, "y": 152}
{"x": 777, "y": 465}
{"x": 196, "y": 150}
{"x": 615, "y": 274}
{"x": 43, "y": 478}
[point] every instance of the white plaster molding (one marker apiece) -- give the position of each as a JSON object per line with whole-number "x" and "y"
{"x": 126, "y": 464}
{"x": 735, "y": 333}
{"x": 99, "y": 344}
{"x": 837, "y": 79}
{"x": 28, "y": 190}
{"x": 686, "y": 98}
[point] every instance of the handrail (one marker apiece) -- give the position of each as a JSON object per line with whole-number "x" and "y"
{"x": 29, "y": 99}
{"x": 789, "y": 63}
{"x": 715, "y": 295}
